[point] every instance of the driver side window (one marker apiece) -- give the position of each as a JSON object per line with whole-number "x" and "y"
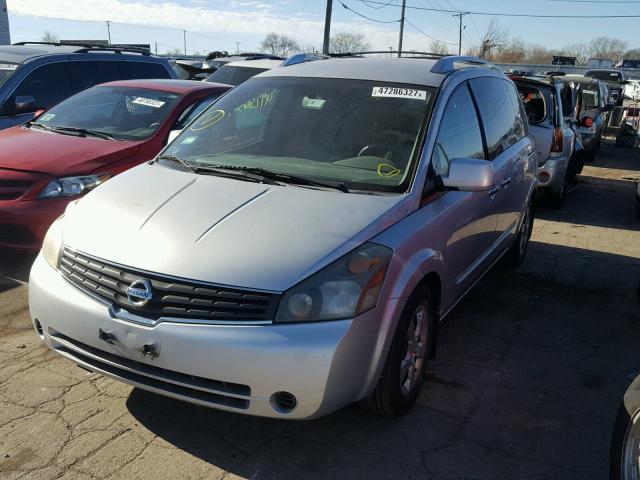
{"x": 459, "y": 135}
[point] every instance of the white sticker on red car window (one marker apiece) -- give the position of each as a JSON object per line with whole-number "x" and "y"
{"x": 397, "y": 92}
{"x": 8, "y": 66}
{"x": 149, "y": 102}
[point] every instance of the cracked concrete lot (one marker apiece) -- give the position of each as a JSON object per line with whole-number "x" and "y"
{"x": 526, "y": 383}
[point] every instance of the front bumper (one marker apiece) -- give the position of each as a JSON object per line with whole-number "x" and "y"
{"x": 325, "y": 365}
{"x": 23, "y": 224}
{"x": 556, "y": 168}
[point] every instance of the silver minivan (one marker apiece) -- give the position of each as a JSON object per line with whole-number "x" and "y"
{"x": 294, "y": 249}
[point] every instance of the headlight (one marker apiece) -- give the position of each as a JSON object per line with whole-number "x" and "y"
{"x": 52, "y": 245}
{"x": 348, "y": 287}
{"x": 72, "y": 186}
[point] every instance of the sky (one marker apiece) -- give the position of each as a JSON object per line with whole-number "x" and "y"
{"x": 242, "y": 24}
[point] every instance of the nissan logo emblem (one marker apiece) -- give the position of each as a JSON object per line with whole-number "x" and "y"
{"x": 139, "y": 293}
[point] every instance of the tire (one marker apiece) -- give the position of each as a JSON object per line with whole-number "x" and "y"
{"x": 556, "y": 199}
{"x": 517, "y": 252}
{"x": 619, "y": 442}
{"x": 394, "y": 395}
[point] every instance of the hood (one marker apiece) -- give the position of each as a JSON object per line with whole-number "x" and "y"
{"x": 221, "y": 230}
{"x": 59, "y": 155}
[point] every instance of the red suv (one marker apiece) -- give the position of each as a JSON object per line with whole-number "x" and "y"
{"x": 83, "y": 141}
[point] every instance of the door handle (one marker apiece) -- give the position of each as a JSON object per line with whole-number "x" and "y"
{"x": 493, "y": 191}
{"x": 505, "y": 182}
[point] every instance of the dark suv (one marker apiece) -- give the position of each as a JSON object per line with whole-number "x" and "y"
{"x": 36, "y": 76}
{"x": 614, "y": 80}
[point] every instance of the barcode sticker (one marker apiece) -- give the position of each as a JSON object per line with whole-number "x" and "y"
{"x": 149, "y": 102}
{"x": 395, "y": 92}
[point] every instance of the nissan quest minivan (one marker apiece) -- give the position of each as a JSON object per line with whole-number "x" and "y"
{"x": 294, "y": 248}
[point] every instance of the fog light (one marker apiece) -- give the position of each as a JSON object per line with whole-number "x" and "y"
{"x": 543, "y": 177}
{"x": 283, "y": 402}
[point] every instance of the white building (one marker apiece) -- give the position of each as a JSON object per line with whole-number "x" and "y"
{"x": 5, "y": 37}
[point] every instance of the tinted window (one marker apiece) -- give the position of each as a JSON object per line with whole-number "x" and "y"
{"x": 49, "y": 85}
{"x": 234, "y": 75}
{"x": 194, "y": 110}
{"x": 84, "y": 75}
{"x": 143, "y": 70}
{"x": 459, "y": 134}
{"x": 497, "y": 113}
{"x": 518, "y": 110}
{"x": 534, "y": 103}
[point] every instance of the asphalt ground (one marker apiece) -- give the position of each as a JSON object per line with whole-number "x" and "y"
{"x": 530, "y": 369}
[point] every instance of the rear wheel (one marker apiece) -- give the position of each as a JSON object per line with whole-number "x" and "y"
{"x": 515, "y": 255}
{"x": 624, "y": 459}
{"x": 403, "y": 371}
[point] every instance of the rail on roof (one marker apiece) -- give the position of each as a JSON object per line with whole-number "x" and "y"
{"x": 85, "y": 48}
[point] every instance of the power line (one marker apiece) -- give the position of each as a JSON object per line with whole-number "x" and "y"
{"x": 427, "y": 35}
{"x": 364, "y": 16}
{"x": 526, "y": 15}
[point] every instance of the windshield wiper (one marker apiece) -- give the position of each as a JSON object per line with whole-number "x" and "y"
{"x": 284, "y": 177}
{"x": 237, "y": 173}
{"x": 83, "y": 131}
{"x": 173, "y": 158}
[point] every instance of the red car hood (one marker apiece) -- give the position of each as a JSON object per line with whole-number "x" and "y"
{"x": 59, "y": 155}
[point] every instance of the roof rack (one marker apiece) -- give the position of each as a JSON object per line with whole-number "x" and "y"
{"x": 84, "y": 48}
{"x": 405, "y": 53}
{"x": 303, "y": 58}
{"x": 447, "y": 64}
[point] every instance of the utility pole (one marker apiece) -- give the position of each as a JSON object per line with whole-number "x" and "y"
{"x": 237, "y": 47}
{"x": 327, "y": 28}
{"x": 460, "y": 15}
{"x": 156, "y": 48}
{"x": 404, "y": 3}
{"x": 109, "y": 31}
{"x": 184, "y": 38}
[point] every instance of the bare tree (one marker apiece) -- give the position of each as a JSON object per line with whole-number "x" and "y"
{"x": 607, "y": 48}
{"x": 578, "y": 50}
{"x": 538, "y": 55}
{"x": 513, "y": 51}
{"x": 279, "y": 44}
{"x": 345, "y": 42}
{"x": 492, "y": 41}
{"x": 50, "y": 37}
{"x": 436, "y": 46}
{"x": 633, "y": 54}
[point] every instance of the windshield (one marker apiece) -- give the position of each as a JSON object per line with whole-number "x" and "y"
{"x": 122, "y": 112}
{"x": 234, "y": 75}
{"x": 6, "y": 70}
{"x": 606, "y": 76}
{"x": 360, "y": 133}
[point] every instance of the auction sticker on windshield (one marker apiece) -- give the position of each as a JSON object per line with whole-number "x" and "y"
{"x": 8, "y": 66}
{"x": 149, "y": 102}
{"x": 396, "y": 92}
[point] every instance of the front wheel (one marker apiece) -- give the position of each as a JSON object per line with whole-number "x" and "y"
{"x": 516, "y": 253}
{"x": 625, "y": 446}
{"x": 403, "y": 371}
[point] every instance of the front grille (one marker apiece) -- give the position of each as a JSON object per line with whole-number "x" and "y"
{"x": 202, "y": 389}
{"x": 178, "y": 298}
{"x": 16, "y": 234}
{"x": 12, "y": 189}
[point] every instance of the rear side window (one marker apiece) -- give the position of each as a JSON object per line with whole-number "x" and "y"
{"x": 48, "y": 84}
{"x": 234, "y": 75}
{"x": 133, "y": 70}
{"x": 518, "y": 110}
{"x": 534, "y": 103}
{"x": 459, "y": 135}
{"x": 497, "y": 113}
{"x": 86, "y": 74}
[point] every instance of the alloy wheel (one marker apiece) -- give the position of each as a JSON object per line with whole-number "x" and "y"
{"x": 412, "y": 364}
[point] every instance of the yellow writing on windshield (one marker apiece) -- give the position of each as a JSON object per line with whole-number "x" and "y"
{"x": 256, "y": 103}
{"x": 386, "y": 170}
{"x": 208, "y": 119}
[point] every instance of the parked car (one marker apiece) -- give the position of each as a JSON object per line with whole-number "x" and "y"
{"x": 545, "y": 101}
{"x": 614, "y": 79}
{"x": 215, "y": 60}
{"x": 551, "y": 73}
{"x": 592, "y": 113}
{"x": 82, "y": 142}
{"x": 234, "y": 73}
{"x": 625, "y": 442}
{"x": 632, "y": 90}
{"x": 188, "y": 69}
{"x": 628, "y": 63}
{"x": 36, "y": 76}
{"x": 293, "y": 250}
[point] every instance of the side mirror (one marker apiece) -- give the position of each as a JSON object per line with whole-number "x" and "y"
{"x": 609, "y": 107}
{"x": 24, "y": 104}
{"x": 469, "y": 175}
{"x": 172, "y": 135}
